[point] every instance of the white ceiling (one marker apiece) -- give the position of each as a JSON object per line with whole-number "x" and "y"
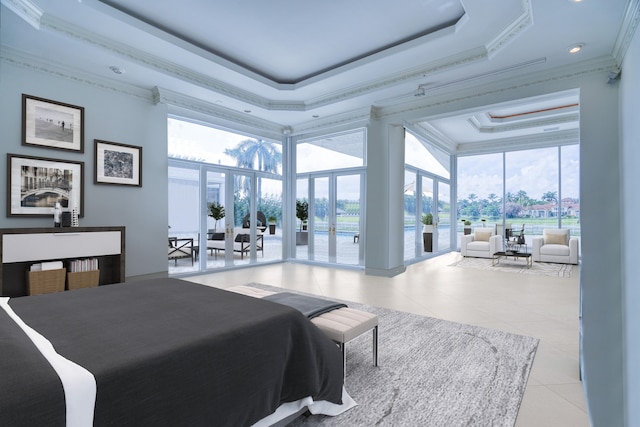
{"x": 286, "y": 63}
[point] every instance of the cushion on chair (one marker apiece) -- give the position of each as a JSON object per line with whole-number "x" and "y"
{"x": 482, "y": 235}
{"x": 556, "y": 236}
{"x": 554, "y": 249}
{"x": 478, "y": 246}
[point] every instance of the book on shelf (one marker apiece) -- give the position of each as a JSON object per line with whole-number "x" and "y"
{"x": 86, "y": 264}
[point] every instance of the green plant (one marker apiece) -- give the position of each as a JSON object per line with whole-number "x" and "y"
{"x": 302, "y": 211}
{"x": 216, "y": 211}
{"x": 467, "y": 222}
{"x": 272, "y": 219}
{"x": 427, "y": 219}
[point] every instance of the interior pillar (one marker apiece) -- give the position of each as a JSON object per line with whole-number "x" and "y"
{"x": 384, "y": 230}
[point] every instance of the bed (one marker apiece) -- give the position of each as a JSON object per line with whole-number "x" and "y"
{"x": 161, "y": 352}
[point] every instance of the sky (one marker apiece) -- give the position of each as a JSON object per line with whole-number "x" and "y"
{"x": 534, "y": 171}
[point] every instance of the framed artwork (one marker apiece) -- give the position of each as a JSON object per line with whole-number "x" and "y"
{"x": 35, "y": 184}
{"x": 118, "y": 164}
{"x": 52, "y": 124}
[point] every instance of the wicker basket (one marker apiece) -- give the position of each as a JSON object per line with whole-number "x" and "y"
{"x": 83, "y": 279}
{"x": 45, "y": 282}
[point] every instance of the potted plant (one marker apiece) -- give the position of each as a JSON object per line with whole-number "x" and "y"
{"x": 216, "y": 211}
{"x": 467, "y": 226}
{"x": 427, "y": 232}
{"x": 272, "y": 224}
{"x": 427, "y": 221}
{"x": 302, "y": 213}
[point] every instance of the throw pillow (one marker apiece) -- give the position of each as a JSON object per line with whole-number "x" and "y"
{"x": 555, "y": 239}
{"x": 482, "y": 235}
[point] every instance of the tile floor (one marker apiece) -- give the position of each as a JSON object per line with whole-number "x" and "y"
{"x": 543, "y": 307}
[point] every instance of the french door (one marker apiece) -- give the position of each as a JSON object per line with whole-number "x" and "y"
{"x": 243, "y": 236}
{"x": 236, "y": 232}
{"x": 426, "y": 194}
{"x": 334, "y": 226}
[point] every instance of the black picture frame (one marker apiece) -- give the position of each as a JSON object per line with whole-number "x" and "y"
{"x": 52, "y": 124}
{"x": 117, "y": 164}
{"x": 34, "y": 184}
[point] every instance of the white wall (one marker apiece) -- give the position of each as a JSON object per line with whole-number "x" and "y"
{"x": 110, "y": 115}
{"x": 630, "y": 172}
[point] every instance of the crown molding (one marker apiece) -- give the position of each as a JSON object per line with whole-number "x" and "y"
{"x": 157, "y": 64}
{"x": 507, "y": 127}
{"x": 22, "y": 60}
{"x": 627, "y": 30}
{"x": 62, "y": 27}
{"x": 520, "y": 24}
{"x": 549, "y": 139}
{"x": 445, "y": 97}
{"x": 431, "y": 135}
{"x": 185, "y": 102}
{"x": 349, "y": 120}
{"x": 26, "y": 10}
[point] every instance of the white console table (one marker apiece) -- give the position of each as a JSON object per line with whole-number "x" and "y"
{"x": 22, "y": 247}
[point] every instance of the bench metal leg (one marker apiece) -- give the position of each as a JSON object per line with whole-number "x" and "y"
{"x": 375, "y": 346}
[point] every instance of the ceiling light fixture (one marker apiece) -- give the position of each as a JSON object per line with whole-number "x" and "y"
{"x": 576, "y": 48}
{"x": 116, "y": 70}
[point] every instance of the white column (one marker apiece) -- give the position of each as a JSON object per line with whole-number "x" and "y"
{"x": 384, "y": 245}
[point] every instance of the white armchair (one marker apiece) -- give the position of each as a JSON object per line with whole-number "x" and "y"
{"x": 555, "y": 245}
{"x": 482, "y": 243}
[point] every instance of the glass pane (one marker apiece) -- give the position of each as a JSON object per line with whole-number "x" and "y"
{"x": 410, "y": 209}
{"x": 205, "y": 144}
{"x": 570, "y": 188}
{"x": 480, "y": 190}
{"x": 241, "y": 210}
{"x": 216, "y": 213}
{"x": 184, "y": 219}
{"x": 319, "y": 214}
{"x": 348, "y": 219}
{"x": 444, "y": 216}
{"x": 331, "y": 152}
{"x": 302, "y": 236}
{"x": 270, "y": 204}
{"x": 531, "y": 187}
{"x": 428, "y": 245}
{"x": 425, "y": 156}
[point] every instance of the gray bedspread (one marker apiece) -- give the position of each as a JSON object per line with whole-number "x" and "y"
{"x": 172, "y": 353}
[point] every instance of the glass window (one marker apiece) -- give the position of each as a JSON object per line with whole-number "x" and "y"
{"x": 570, "y": 188}
{"x": 425, "y": 156}
{"x": 331, "y": 152}
{"x": 531, "y": 189}
{"x": 479, "y": 190}
{"x": 205, "y": 144}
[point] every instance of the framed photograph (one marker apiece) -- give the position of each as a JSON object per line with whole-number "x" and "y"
{"x": 35, "y": 184}
{"x": 52, "y": 124}
{"x": 118, "y": 164}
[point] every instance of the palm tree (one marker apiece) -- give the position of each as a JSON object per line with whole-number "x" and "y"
{"x": 251, "y": 151}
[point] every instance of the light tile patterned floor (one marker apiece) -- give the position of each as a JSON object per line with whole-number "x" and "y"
{"x": 539, "y": 306}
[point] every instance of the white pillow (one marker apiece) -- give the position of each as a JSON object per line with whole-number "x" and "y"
{"x": 481, "y": 235}
{"x": 558, "y": 238}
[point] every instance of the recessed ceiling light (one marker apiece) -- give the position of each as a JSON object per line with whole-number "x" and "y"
{"x": 116, "y": 70}
{"x": 576, "y": 48}
{"x": 315, "y": 116}
{"x": 247, "y": 111}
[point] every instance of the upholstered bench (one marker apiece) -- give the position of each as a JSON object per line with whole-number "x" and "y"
{"x": 340, "y": 325}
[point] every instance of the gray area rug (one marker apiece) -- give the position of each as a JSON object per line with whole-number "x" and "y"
{"x": 517, "y": 266}
{"x": 431, "y": 372}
